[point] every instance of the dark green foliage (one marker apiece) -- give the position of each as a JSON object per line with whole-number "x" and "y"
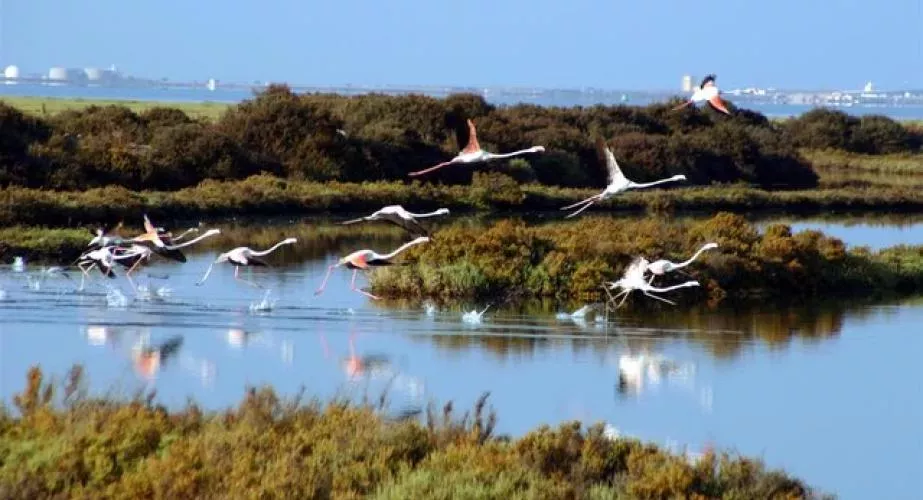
{"x": 324, "y": 137}
{"x": 63, "y": 444}
{"x": 871, "y": 134}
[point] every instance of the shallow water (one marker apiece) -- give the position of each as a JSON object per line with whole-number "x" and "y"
{"x": 833, "y": 393}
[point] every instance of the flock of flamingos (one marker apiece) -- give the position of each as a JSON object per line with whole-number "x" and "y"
{"x": 108, "y": 249}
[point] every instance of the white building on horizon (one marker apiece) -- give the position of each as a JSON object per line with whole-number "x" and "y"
{"x": 11, "y": 73}
{"x": 688, "y": 86}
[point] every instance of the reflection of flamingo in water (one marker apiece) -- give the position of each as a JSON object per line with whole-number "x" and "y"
{"x": 633, "y": 369}
{"x": 633, "y": 279}
{"x": 396, "y": 215}
{"x": 617, "y": 181}
{"x": 472, "y": 153}
{"x": 366, "y": 259}
{"x": 239, "y": 338}
{"x": 147, "y": 359}
{"x": 707, "y": 92}
{"x": 244, "y": 256}
{"x": 663, "y": 266}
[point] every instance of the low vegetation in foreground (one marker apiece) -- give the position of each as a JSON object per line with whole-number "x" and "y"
{"x": 567, "y": 260}
{"x": 61, "y": 443}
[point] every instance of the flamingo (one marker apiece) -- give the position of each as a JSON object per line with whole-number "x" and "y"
{"x": 707, "y": 91}
{"x": 141, "y": 252}
{"x": 364, "y": 259}
{"x": 245, "y": 256}
{"x": 633, "y": 279}
{"x": 104, "y": 238}
{"x": 617, "y": 182}
{"x": 663, "y": 266}
{"x": 396, "y": 215}
{"x": 103, "y": 258}
{"x": 154, "y": 237}
{"x": 473, "y": 153}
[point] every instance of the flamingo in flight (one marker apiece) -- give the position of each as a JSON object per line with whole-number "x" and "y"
{"x": 103, "y": 237}
{"x": 245, "y": 256}
{"x": 366, "y": 259}
{"x": 159, "y": 241}
{"x": 663, "y": 266}
{"x": 472, "y": 153}
{"x": 396, "y": 215}
{"x": 633, "y": 279}
{"x": 617, "y": 182}
{"x": 708, "y": 92}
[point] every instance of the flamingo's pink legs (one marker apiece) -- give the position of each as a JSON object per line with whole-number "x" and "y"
{"x": 430, "y": 169}
{"x": 323, "y": 284}
{"x": 238, "y": 278}
{"x": 352, "y": 285}
{"x": 681, "y": 106}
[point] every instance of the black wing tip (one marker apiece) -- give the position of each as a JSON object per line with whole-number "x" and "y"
{"x": 711, "y": 77}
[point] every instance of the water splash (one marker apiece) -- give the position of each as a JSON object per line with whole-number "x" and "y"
{"x": 264, "y": 305}
{"x": 115, "y": 298}
{"x": 3, "y": 295}
{"x": 430, "y": 308}
{"x": 474, "y": 317}
{"x": 19, "y": 264}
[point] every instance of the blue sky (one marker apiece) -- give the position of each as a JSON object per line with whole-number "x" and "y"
{"x": 639, "y": 44}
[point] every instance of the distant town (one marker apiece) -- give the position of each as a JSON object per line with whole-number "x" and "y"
{"x": 113, "y": 78}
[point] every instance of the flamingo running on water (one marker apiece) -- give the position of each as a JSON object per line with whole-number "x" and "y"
{"x": 396, "y": 215}
{"x": 617, "y": 181}
{"x": 366, "y": 259}
{"x": 139, "y": 253}
{"x": 663, "y": 266}
{"x": 103, "y": 237}
{"x": 708, "y": 92}
{"x": 244, "y": 256}
{"x": 472, "y": 153}
{"x": 633, "y": 279}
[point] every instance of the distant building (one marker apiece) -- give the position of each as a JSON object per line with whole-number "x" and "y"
{"x": 687, "y": 83}
{"x": 868, "y": 87}
{"x": 11, "y": 73}
{"x": 101, "y": 76}
{"x": 212, "y": 84}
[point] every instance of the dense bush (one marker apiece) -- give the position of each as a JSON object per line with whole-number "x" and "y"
{"x": 566, "y": 260}
{"x": 323, "y": 137}
{"x": 870, "y": 134}
{"x": 64, "y": 444}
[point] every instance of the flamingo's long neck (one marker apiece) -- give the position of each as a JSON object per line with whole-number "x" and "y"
{"x": 649, "y": 184}
{"x": 427, "y": 214}
{"x": 692, "y": 259}
{"x": 191, "y": 242}
{"x": 514, "y": 153}
{"x": 674, "y": 287}
{"x": 400, "y": 249}
{"x": 271, "y": 249}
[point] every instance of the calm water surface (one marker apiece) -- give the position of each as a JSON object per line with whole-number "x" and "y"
{"x": 832, "y": 393}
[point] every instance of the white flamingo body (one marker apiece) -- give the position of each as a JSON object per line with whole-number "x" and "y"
{"x": 397, "y": 215}
{"x": 364, "y": 260}
{"x": 633, "y": 279}
{"x": 706, "y": 92}
{"x": 663, "y": 266}
{"x": 472, "y": 153}
{"x": 244, "y": 256}
{"x": 618, "y": 183}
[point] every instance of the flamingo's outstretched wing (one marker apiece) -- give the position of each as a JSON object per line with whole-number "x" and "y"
{"x": 148, "y": 227}
{"x": 636, "y": 269}
{"x": 472, "y": 146}
{"x": 256, "y": 261}
{"x": 615, "y": 173}
{"x": 718, "y": 105}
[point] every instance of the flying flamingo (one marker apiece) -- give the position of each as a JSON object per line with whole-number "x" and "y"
{"x": 633, "y": 279}
{"x": 104, "y": 238}
{"x": 244, "y": 256}
{"x": 663, "y": 266}
{"x": 396, "y": 215}
{"x": 617, "y": 182}
{"x": 473, "y": 153}
{"x": 707, "y": 91}
{"x": 102, "y": 258}
{"x": 365, "y": 259}
{"x": 158, "y": 240}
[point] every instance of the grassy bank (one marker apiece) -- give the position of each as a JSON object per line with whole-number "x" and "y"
{"x": 573, "y": 259}
{"x": 48, "y": 106}
{"x": 61, "y": 443}
{"x": 267, "y": 195}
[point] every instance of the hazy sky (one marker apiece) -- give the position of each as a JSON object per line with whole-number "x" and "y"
{"x": 621, "y": 44}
